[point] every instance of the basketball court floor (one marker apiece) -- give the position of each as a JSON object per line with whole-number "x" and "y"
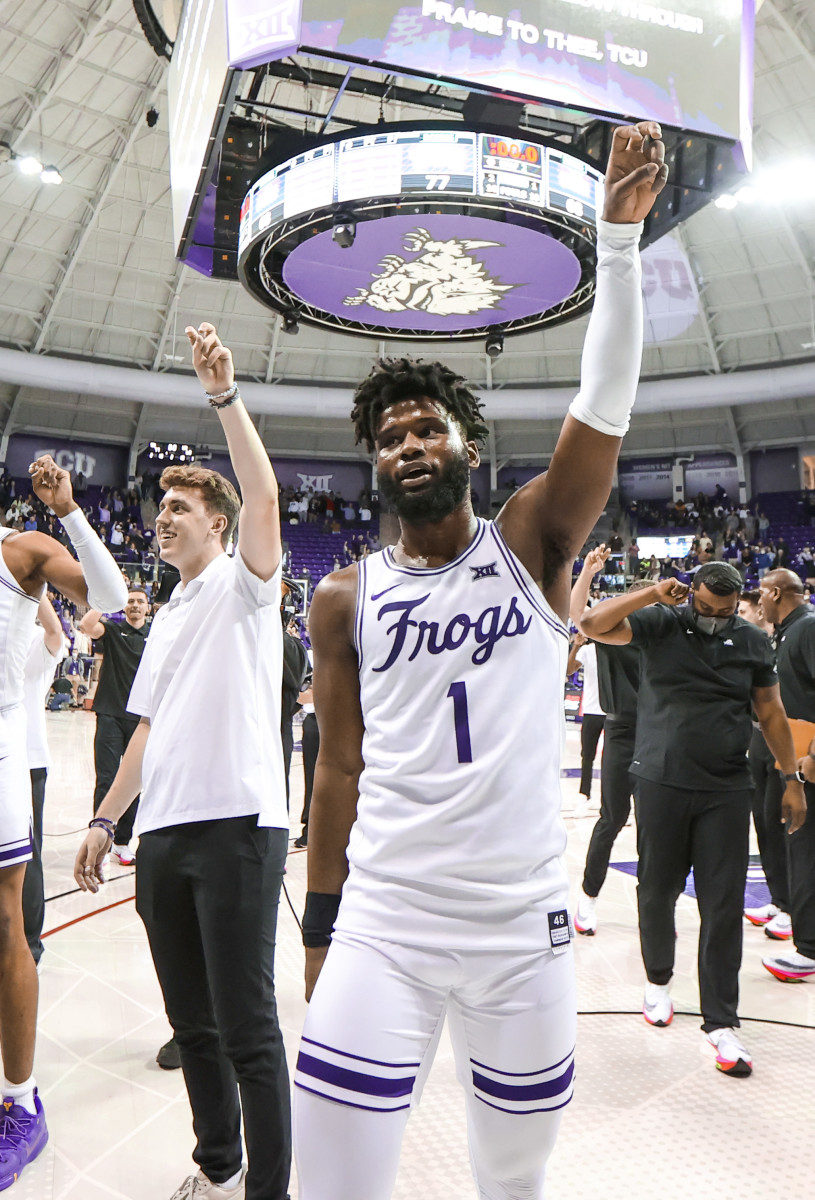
{"x": 652, "y": 1119}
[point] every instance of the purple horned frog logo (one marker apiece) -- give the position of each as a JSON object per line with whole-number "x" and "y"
{"x": 445, "y": 280}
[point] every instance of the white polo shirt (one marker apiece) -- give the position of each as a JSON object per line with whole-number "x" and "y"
{"x": 210, "y": 682}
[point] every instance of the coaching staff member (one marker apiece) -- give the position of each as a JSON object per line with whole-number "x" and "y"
{"x": 122, "y": 645}
{"x": 702, "y": 667}
{"x": 212, "y": 822}
{"x": 783, "y": 602}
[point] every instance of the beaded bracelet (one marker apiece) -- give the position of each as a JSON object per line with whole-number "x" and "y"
{"x": 103, "y": 823}
{"x": 224, "y": 399}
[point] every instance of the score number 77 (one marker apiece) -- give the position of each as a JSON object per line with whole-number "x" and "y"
{"x": 437, "y": 183}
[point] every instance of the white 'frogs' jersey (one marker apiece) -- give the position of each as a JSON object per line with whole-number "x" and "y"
{"x": 458, "y": 836}
{"x": 18, "y": 612}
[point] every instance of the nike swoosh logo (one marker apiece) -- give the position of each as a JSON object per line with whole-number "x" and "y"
{"x": 387, "y": 589}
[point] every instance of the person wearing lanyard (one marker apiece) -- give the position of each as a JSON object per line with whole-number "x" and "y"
{"x": 702, "y": 666}
{"x": 784, "y": 602}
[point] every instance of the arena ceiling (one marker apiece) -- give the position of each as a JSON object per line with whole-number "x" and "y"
{"x": 87, "y": 269}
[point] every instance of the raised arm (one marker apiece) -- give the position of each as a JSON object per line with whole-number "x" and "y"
{"x": 608, "y": 622}
{"x": 594, "y": 561}
{"x": 54, "y": 637}
{"x": 339, "y": 762}
{"x": 259, "y": 524}
{"x": 91, "y": 624}
{"x": 37, "y": 559}
{"x": 548, "y": 520}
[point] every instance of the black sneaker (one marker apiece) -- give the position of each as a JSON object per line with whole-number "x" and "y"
{"x": 168, "y": 1057}
{"x": 301, "y": 842}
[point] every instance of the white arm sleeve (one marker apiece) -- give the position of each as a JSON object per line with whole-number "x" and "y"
{"x": 107, "y": 590}
{"x": 612, "y": 351}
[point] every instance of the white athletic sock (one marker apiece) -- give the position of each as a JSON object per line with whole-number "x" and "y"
{"x": 22, "y": 1094}
{"x": 231, "y": 1183}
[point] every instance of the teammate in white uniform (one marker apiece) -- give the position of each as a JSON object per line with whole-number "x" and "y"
{"x": 27, "y": 562}
{"x": 438, "y": 685}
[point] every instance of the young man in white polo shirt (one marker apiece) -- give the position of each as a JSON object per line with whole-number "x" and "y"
{"x": 212, "y": 820}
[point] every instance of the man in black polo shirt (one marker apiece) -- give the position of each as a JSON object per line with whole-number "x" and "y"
{"x": 784, "y": 603}
{"x": 121, "y": 645}
{"x": 702, "y": 667}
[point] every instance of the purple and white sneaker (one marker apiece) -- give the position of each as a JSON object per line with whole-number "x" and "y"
{"x": 22, "y": 1137}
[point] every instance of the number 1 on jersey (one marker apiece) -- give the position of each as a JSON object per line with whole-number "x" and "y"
{"x": 461, "y": 716}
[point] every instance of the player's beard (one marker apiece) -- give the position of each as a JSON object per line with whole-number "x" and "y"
{"x": 447, "y": 491}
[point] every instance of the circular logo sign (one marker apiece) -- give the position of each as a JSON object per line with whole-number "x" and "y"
{"x": 434, "y": 271}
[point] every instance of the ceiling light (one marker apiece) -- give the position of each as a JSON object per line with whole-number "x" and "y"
{"x": 28, "y": 164}
{"x": 726, "y": 201}
{"x": 50, "y": 175}
{"x": 494, "y": 345}
{"x": 746, "y": 195}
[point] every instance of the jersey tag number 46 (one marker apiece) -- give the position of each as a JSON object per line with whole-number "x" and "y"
{"x": 560, "y": 931}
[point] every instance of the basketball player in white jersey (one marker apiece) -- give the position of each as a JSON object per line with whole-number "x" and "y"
{"x": 438, "y": 682}
{"x": 29, "y": 561}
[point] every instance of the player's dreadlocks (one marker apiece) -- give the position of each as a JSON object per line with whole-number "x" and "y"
{"x": 395, "y": 379}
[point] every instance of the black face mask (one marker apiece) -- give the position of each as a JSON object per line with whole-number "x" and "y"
{"x": 711, "y": 625}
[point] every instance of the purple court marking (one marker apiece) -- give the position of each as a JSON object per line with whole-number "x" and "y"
{"x": 434, "y": 271}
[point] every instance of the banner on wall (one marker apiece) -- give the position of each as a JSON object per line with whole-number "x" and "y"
{"x": 102, "y": 466}
{"x": 707, "y": 470}
{"x": 343, "y": 478}
{"x": 646, "y": 478}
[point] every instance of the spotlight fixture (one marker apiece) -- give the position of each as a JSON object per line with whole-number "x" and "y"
{"x": 290, "y": 323}
{"x": 344, "y": 231}
{"x": 494, "y": 345}
{"x": 170, "y": 452}
{"x": 151, "y": 117}
{"x": 29, "y": 164}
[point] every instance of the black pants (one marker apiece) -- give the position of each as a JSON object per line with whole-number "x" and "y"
{"x": 311, "y": 748}
{"x": 109, "y": 744}
{"x": 208, "y": 894}
{"x": 33, "y": 887}
{"x": 590, "y": 732}
{"x": 769, "y": 789}
{"x": 678, "y": 829}
{"x": 287, "y": 740}
{"x": 615, "y": 800}
{"x": 801, "y": 850}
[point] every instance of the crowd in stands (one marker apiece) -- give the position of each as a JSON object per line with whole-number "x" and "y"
{"x": 332, "y": 512}
{"x": 742, "y": 534}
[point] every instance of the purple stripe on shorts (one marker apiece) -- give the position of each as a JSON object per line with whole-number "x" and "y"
{"x": 350, "y": 1103}
{"x": 375, "y": 1062}
{"x": 354, "y": 1081}
{"x": 522, "y": 1074}
{"x": 525, "y": 1091}
{"x": 25, "y": 848}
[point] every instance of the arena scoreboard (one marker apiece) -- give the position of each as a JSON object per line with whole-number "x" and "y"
{"x": 445, "y": 232}
{"x": 405, "y": 163}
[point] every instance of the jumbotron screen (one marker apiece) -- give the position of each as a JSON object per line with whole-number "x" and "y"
{"x": 689, "y": 65}
{"x": 398, "y": 163}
